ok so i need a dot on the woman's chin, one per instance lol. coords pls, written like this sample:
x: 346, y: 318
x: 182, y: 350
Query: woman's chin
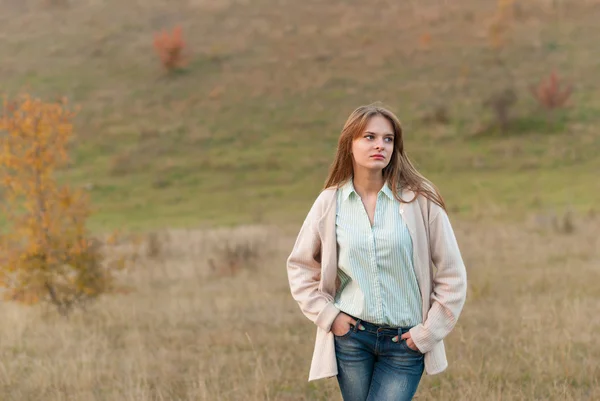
x: 374, y: 165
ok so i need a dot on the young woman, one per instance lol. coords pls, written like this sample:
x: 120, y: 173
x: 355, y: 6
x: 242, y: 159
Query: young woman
x: 376, y: 266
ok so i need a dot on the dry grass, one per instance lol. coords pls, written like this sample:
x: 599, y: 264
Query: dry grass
x: 528, y: 331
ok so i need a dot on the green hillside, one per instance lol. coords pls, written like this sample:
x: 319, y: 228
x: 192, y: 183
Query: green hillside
x: 246, y: 133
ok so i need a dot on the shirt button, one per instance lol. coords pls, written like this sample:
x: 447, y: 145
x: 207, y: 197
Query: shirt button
x: 401, y: 211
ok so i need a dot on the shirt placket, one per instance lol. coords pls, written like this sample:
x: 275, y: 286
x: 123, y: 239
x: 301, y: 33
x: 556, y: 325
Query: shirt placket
x: 376, y: 279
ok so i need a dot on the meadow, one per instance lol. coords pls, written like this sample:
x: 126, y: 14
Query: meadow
x: 216, y: 165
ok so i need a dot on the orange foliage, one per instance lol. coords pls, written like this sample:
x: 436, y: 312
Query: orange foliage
x: 169, y: 48
x: 47, y: 253
x: 551, y: 93
x: 425, y: 41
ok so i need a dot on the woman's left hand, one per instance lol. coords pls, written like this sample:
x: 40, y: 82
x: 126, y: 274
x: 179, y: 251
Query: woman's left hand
x: 409, y: 342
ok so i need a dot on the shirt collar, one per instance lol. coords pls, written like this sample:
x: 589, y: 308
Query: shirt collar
x: 387, y: 190
x: 348, y: 188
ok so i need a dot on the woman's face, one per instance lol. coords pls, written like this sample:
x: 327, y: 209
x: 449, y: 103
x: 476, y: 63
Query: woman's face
x: 373, y: 148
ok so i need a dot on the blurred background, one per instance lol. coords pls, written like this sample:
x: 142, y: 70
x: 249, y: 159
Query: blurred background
x: 204, y: 132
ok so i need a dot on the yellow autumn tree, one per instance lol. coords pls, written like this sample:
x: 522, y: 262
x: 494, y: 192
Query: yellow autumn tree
x: 46, y: 252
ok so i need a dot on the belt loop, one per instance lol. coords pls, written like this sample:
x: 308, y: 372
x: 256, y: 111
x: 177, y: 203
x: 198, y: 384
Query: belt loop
x: 399, y: 334
x: 357, y: 325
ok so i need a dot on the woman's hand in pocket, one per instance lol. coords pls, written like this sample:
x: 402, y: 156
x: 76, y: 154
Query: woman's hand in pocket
x: 342, y: 324
x: 409, y: 341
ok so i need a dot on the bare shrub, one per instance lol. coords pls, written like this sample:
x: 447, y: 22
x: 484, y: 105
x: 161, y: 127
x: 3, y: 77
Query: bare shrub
x: 500, y: 103
x: 121, y: 164
x: 566, y: 223
x: 154, y: 245
x: 233, y: 255
x: 230, y: 251
x: 438, y: 114
x: 562, y: 223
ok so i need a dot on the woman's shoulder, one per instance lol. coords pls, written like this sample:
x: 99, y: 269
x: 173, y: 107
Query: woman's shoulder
x: 326, y: 196
x: 427, y: 206
x: 323, y: 203
x: 329, y: 191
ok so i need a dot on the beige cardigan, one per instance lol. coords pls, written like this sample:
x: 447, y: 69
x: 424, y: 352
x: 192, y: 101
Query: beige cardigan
x: 440, y: 271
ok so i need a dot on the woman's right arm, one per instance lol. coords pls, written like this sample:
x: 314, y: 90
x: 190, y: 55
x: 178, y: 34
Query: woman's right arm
x: 304, y: 272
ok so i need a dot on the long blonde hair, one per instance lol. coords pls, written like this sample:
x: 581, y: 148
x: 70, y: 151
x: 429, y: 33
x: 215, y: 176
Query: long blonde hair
x: 399, y: 173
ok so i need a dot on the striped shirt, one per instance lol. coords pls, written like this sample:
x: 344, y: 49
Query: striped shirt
x: 375, y: 263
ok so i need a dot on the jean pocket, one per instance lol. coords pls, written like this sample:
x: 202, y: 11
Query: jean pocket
x: 404, y: 344
x: 350, y: 330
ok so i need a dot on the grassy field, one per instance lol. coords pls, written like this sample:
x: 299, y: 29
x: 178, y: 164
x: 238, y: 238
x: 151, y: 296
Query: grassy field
x: 229, y: 154
x: 528, y: 331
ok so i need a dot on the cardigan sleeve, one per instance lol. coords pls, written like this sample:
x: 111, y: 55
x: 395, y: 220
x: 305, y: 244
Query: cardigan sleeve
x: 449, y: 284
x: 304, y: 272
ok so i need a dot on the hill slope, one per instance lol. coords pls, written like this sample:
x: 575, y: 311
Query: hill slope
x: 247, y: 132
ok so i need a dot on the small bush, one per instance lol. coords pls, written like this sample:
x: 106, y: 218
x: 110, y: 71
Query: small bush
x: 170, y: 48
x: 437, y: 114
x: 500, y: 104
x: 561, y: 223
x: 233, y: 255
x: 425, y: 41
x: 154, y: 246
x: 551, y: 93
x: 565, y: 224
x: 121, y: 164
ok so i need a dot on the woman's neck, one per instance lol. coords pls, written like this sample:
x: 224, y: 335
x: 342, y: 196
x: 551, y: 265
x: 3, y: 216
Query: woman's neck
x: 367, y: 183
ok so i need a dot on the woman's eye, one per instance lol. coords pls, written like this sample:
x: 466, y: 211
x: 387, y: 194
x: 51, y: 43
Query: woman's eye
x: 389, y: 139
x: 369, y: 136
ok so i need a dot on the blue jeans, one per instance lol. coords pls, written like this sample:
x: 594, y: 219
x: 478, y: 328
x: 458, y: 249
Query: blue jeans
x: 373, y: 367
